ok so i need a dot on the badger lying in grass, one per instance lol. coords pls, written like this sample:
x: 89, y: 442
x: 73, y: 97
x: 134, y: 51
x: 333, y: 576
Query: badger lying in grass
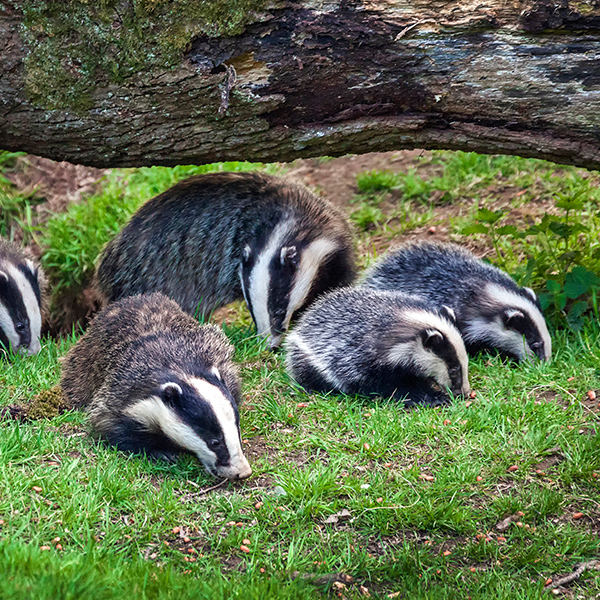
x: 153, y: 380
x: 22, y: 287
x: 492, y: 311
x: 215, y: 238
x: 361, y: 341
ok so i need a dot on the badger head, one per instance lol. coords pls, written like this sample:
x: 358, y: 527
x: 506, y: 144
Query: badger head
x: 20, y: 315
x: 199, y: 415
x: 281, y: 276
x: 431, y: 347
x: 509, y: 321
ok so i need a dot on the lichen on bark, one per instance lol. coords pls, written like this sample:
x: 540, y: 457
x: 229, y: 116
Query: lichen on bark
x: 75, y: 46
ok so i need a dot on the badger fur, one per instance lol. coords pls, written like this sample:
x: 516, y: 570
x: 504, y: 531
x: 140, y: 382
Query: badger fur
x: 153, y: 380
x: 219, y: 237
x: 361, y: 341
x: 22, y: 286
x: 492, y: 311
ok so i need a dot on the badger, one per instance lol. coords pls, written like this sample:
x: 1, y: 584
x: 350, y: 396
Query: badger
x: 369, y: 342
x: 492, y: 311
x: 22, y: 287
x: 153, y: 380
x: 215, y: 238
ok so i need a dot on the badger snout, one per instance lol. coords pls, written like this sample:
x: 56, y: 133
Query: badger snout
x: 240, y: 469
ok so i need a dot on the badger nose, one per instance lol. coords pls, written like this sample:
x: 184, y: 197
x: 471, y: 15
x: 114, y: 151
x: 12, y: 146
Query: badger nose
x: 245, y: 473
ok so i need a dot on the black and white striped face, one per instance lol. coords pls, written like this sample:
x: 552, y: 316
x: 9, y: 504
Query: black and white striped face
x: 433, y: 348
x: 279, y: 276
x: 20, y: 315
x: 510, y: 322
x: 200, y: 416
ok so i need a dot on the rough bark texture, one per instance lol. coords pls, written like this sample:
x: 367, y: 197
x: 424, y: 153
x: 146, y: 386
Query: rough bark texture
x: 322, y: 78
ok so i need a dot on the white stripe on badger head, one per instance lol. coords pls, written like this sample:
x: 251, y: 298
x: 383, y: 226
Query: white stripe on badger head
x: 31, y: 306
x: 430, y: 364
x: 156, y: 415
x: 223, y: 410
x: 260, y: 278
x: 310, y: 261
x: 509, y: 299
x: 315, y: 361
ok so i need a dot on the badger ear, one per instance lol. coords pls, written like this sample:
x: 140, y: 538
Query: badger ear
x: 289, y: 256
x: 171, y: 393
x: 246, y: 253
x: 216, y: 373
x: 31, y: 265
x: 449, y: 313
x: 432, y: 339
x: 513, y: 318
x: 531, y: 293
x: 3, y: 276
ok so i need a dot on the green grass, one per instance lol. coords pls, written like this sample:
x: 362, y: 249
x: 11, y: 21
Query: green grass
x: 114, y: 513
x: 359, y: 497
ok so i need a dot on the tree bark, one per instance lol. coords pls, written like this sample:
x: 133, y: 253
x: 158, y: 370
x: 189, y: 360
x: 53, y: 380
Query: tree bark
x: 314, y: 78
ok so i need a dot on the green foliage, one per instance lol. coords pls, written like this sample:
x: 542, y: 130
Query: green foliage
x: 352, y: 497
x: 15, y: 208
x: 71, y: 241
x: 563, y: 252
x: 367, y: 217
x: 377, y: 181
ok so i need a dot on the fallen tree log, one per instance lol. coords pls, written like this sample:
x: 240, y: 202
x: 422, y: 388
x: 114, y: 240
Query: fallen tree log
x: 129, y: 83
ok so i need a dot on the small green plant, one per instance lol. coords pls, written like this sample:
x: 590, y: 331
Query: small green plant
x: 367, y: 217
x: 563, y: 254
x: 377, y: 181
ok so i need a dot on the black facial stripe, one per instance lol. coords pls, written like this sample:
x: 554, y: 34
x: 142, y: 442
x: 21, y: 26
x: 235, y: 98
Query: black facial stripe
x: 245, y: 276
x: 33, y: 281
x: 10, y: 297
x: 199, y: 415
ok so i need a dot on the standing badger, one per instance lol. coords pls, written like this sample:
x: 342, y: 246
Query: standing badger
x: 153, y: 380
x: 360, y: 341
x: 215, y: 238
x: 492, y: 311
x: 22, y: 286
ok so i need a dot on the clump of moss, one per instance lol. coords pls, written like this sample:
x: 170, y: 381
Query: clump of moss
x: 47, y: 404
x: 77, y: 45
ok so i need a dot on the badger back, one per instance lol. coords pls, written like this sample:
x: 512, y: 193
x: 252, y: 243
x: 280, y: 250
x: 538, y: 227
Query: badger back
x: 217, y: 237
x: 365, y: 341
x: 492, y: 311
x: 22, y: 286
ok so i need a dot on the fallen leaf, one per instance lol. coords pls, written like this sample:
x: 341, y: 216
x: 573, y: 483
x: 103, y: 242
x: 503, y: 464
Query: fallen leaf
x: 512, y: 468
x: 446, y: 553
x: 578, y: 515
x: 37, y: 488
x: 244, y: 549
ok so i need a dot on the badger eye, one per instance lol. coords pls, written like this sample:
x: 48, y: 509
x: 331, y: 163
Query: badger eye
x: 214, y: 444
x: 20, y: 327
